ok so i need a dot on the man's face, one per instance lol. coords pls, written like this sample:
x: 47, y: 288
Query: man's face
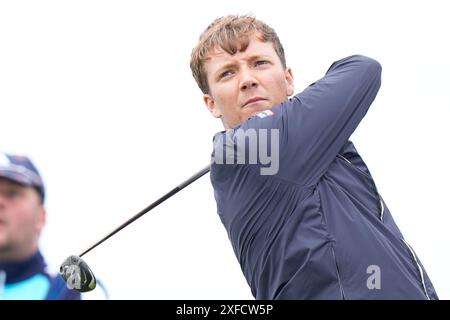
x: 246, y: 83
x: 22, y: 218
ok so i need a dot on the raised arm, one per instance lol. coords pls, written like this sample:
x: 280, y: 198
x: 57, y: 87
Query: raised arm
x: 315, y: 124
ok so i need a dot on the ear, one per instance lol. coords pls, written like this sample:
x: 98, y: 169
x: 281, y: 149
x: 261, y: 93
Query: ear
x: 211, y: 105
x: 289, y: 82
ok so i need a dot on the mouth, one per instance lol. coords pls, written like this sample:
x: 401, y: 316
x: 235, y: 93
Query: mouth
x: 253, y: 100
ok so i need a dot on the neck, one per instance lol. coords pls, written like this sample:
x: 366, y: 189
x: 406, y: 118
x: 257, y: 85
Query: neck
x: 11, y: 254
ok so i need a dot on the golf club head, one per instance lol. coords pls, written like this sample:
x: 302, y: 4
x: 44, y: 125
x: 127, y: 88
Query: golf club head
x: 77, y: 274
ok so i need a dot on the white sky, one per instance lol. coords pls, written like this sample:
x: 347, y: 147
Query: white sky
x: 100, y: 95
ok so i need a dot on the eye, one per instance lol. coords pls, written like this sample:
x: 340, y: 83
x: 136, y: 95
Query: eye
x: 225, y: 74
x: 261, y: 62
x: 13, y: 194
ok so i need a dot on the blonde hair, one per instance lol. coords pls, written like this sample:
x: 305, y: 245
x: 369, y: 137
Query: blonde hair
x: 231, y: 33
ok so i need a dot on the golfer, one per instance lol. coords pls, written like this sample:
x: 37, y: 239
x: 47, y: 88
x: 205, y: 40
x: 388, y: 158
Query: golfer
x: 301, y: 209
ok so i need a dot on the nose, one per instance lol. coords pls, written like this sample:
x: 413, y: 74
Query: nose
x: 248, y: 79
x: 2, y: 200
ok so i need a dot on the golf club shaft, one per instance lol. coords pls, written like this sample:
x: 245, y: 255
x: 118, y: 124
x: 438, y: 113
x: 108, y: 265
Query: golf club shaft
x: 150, y: 207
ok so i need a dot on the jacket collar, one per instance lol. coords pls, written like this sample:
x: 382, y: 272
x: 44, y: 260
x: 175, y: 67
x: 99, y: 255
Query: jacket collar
x: 18, y: 271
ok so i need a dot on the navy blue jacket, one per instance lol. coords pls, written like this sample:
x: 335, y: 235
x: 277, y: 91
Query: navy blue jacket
x: 317, y: 228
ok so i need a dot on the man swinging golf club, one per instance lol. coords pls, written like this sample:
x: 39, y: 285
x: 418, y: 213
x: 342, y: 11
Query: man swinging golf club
x: 317, y: 227
x: 313, y: 226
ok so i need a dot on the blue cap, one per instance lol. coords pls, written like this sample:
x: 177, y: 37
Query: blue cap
x: 21, y: 170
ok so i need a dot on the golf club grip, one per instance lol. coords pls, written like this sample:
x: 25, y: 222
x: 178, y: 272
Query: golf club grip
x: 150, y: 207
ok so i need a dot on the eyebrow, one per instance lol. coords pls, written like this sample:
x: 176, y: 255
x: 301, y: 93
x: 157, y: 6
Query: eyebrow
x: 233, y: 64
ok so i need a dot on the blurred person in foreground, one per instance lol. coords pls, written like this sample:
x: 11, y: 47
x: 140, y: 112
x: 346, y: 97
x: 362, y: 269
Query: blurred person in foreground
x: 23, y: 270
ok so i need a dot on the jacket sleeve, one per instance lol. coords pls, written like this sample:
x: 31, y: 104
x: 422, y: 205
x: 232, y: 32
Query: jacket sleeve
x: 315, y: 124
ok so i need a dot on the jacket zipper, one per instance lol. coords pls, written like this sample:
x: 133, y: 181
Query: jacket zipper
x: 338, y: 273
x: 422, y: 279
x: 381, y: 215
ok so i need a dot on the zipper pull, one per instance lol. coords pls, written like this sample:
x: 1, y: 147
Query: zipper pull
x: 382, y: 208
